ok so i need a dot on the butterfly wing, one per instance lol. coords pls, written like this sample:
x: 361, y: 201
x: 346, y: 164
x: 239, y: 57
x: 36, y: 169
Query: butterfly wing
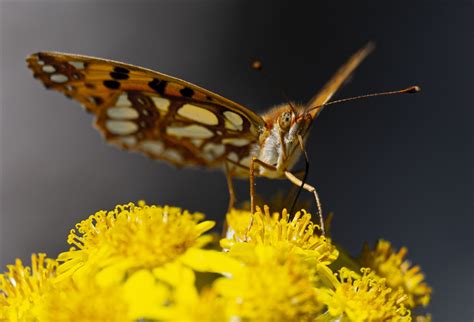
x: 145, y: 111
x: 338, y: 79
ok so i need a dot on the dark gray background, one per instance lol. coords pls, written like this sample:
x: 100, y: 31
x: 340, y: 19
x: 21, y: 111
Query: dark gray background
x: 398, y: 168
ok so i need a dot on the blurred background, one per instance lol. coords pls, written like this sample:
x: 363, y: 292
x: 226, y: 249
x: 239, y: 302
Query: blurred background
x: 395, y: 167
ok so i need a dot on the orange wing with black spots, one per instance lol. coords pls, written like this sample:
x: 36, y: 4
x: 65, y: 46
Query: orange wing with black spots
x: 338, y: 79
x: 158, y: 115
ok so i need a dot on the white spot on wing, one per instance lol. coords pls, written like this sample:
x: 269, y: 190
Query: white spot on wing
x: 121, y: 127
x: 48, y: 69
x: 197, y: 142
x: 161, y: 104
x: 91, y: 99
x: 123, y: 101
x: 152, y: 146
x: 122, y: 113
x: 233, y: 157
x: 173, y: 155
x: 198, y: 114
x: 191, y: 131
x: 77, y: 64
x: 59, y: 78
x: 208, y: 156
x: 128, y: 140
x: 215, y: 149
x: 40, y: 62
x: 233, y: 121
x: 236, y: 141
x: 246, y: 161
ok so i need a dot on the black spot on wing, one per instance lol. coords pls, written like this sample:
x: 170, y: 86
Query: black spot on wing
x: 158, y: 85
x: 116, y: 75
x: 121, y: 70
x: 187, y: 92
x: 97, y: 100
x: 112, y: 84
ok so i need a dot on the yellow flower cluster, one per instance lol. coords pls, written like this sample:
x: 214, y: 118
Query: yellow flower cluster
x: 111, y: 244
x: 22, y: 288
x: 296, y: 235
x: 141, y: 262
x: 391, y: 265
x: 362, y: 298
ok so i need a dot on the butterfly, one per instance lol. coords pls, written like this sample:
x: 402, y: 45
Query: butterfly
x: 169, y: 119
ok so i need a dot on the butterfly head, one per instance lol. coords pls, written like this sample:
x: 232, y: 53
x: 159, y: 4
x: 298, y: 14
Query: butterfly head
x: 285, y: 123
x: 292, y: 123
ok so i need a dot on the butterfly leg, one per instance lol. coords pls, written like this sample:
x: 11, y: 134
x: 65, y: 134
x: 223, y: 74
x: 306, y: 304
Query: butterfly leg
x: 293, y: 179
x: 255, y: 161
x: 230, y: 186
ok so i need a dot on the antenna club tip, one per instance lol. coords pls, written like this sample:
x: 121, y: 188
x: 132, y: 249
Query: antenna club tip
x: 413, y: 89
x: 257, y: 65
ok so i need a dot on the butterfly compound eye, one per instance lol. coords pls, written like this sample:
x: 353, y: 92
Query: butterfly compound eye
x: 285, y: 120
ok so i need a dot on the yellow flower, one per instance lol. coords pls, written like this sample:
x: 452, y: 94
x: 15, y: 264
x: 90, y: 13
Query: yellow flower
x: 72, y: 301
x: 272, y: 288
x: 130, y: 238
x: 166, y: 293
x: 22, y: 288
x: 361, y: 298
x: 185, y: 302
x: 146, y: 295
x: 385, y: 262
x: 150, y: 263
x: 297, y: 235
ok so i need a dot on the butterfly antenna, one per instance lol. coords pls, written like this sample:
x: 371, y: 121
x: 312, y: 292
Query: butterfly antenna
x: 409, y: 90
x: 258, y: 66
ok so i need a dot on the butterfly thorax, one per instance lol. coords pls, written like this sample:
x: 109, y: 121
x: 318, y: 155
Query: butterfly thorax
x: 278, y: 144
